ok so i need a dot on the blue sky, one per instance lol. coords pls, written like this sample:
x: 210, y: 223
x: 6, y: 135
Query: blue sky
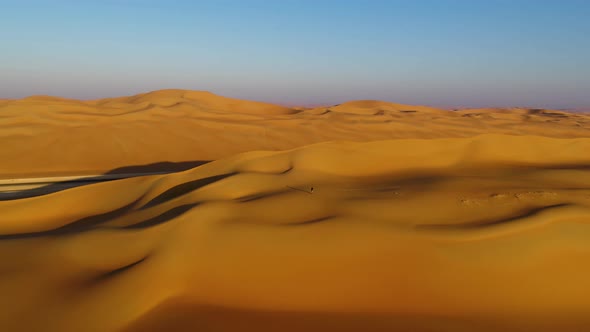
x: 443, y: 53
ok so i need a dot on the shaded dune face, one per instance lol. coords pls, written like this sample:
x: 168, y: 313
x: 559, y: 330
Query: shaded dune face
x: 41, y: 135
x: 487, y: 233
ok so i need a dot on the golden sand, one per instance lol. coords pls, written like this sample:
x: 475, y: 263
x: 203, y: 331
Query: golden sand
x: 48, y: 135
x: 430, y: 220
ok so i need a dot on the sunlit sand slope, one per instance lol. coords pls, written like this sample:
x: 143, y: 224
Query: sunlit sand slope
x: 41, y: 136
x: 467, y: 234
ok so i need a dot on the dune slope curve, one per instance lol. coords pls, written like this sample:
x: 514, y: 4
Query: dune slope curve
x: 462, y: 234
x: 43, y: 136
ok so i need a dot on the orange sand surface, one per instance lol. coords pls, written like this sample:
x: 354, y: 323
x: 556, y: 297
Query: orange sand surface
x: 43, y: 135
x: 431, y: 220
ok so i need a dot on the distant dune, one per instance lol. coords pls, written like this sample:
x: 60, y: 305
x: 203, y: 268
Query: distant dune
x: 43, y: 135
x: 578, y: 109
x: 365, y: 216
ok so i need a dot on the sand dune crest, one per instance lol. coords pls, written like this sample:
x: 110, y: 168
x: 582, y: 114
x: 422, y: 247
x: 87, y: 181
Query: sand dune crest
x: 246, y: 235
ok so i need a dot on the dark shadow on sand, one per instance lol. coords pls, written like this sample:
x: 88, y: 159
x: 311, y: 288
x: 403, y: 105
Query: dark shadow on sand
x: 93, y: 222
x: 183, y: 316
x: 136, y: 170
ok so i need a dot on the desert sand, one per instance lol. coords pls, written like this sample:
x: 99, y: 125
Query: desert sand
x: 43, y: 135
x: 363, y: 216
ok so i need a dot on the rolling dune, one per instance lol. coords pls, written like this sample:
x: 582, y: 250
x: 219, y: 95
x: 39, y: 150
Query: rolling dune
x: 364, y: 216
x: 462, y: 234
x: 43, y: 135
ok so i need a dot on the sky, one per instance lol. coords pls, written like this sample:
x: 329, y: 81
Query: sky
x: 464, y: 53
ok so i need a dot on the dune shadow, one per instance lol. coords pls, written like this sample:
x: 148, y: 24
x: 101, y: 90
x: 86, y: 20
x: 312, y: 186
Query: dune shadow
x: 182, y: 315
x: 164, y: 167
x: 112, y: 175
x: 79, y: 225
x: 517, y: 217
x: 118, y: 271
x: 164, y: 217
x: 184, y: 188
x: 97, y: 221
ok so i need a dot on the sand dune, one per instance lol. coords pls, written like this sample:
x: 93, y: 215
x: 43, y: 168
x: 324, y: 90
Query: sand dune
x: 463, y: 234
x: 42, y: 135
x: 409, y: 219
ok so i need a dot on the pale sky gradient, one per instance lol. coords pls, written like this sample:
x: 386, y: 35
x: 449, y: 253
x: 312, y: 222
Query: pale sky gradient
x: 444, y: 53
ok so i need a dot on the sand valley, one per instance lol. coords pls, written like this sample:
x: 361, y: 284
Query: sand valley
x: 362, y: 216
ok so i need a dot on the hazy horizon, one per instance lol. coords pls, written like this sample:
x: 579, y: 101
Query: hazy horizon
x: 453, y: 53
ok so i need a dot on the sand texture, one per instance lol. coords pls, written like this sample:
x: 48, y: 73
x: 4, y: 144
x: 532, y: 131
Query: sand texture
x: 475, y: 220
x: 48, y: 135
